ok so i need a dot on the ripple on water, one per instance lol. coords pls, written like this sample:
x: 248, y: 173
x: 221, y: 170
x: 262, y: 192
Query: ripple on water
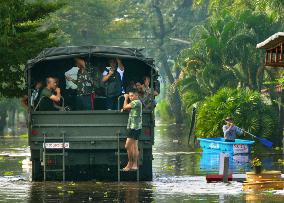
x: 195, y: 185
x: 14, y: 189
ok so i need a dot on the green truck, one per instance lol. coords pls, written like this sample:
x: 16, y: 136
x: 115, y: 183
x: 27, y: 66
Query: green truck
x: 86, y: 145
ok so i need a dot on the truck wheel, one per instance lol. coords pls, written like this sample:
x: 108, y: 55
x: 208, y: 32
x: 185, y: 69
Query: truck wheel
x: 146, y: 170
x: 37, y: 174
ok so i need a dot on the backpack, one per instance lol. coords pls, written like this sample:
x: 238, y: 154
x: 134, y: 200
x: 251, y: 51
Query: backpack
x: 114, y: 85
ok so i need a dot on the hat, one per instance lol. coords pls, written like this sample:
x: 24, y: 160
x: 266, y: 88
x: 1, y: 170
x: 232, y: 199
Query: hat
x: 229, y: 119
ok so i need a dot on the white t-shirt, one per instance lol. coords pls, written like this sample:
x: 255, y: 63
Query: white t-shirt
x: 72, y: 73
x: 121, y: 72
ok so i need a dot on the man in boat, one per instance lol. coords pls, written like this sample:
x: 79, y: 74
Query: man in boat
x: 230, y: 130
x: 134, y: 127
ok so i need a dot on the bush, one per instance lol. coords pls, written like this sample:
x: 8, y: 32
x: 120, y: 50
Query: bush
x: 163, y: 111
x: 245, y: 106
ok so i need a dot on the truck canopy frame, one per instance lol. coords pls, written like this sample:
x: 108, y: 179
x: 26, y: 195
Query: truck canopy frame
x: 56, y: 61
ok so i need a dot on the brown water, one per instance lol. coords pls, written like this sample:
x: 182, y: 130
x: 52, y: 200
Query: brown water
x: 178, y: 177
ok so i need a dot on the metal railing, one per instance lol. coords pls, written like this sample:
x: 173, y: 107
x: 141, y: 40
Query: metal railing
x: 118, y: 102
x: 62, y: 108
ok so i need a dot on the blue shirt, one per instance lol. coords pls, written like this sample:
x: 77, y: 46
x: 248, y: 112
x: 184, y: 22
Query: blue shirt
x: 231, y: 133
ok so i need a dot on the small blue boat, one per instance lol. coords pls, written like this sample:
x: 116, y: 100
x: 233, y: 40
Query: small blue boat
x: 219, y: 145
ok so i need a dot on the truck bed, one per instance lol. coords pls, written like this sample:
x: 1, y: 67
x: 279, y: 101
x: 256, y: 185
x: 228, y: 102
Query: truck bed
x: 92, y: 139
x: 85, y: 129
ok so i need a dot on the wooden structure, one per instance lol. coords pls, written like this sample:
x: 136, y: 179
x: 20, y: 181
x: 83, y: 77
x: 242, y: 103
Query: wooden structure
x: 264, y: 181
x: 274, y: 48
x: 274, y: 57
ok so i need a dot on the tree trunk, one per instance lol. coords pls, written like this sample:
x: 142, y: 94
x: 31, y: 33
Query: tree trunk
x: 3, y: 115
x: 13, y: 126
x: 17, y: 121
x: 260, y: 75
x: 161, y: 34
x: 175, y: 99
x: 281, y: 118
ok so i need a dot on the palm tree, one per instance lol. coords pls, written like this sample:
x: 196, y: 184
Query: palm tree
x: 224, y: 53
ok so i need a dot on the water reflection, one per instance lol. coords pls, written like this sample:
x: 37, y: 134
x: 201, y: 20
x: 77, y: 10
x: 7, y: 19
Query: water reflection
x: 91, y: 192
x: 238, y: 163
x: 178, y: 169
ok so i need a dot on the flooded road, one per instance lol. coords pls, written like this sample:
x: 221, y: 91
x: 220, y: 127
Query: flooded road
x: 179, y: 176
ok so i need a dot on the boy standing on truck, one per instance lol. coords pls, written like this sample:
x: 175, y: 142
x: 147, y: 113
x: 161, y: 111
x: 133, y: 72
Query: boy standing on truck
x: 134, y: 127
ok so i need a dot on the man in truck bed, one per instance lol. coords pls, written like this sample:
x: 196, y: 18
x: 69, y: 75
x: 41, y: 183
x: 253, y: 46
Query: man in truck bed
x: 50, y: 95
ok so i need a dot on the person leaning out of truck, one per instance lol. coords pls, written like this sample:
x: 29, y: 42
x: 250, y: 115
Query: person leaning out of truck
x: 36, y: 94
x: 85, y: 85
x: 230, y: 130
x: 149, y: 95
x: 50, y: 95
x: 146, y: 83
x: 113, y: 79
x: 146, y: 99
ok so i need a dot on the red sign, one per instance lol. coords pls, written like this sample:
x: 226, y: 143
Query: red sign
x: 240, y: 148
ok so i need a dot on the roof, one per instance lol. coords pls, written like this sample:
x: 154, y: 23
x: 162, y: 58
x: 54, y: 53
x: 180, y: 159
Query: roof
x: 272, y: 41
x: 73, y: 51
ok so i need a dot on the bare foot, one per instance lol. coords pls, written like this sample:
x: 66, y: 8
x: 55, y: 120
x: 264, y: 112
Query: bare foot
x: 134, y: 168
x: 126, y: 169
x: 128, y: 165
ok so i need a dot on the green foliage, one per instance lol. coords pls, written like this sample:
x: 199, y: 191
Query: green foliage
x: 90, y: 22
x: 245, y: 106
x: 23, y: 136
x: 9, y: 105
x: 273, y: 8
x: 163, y: 111
x: 23, y: 35
x: 278, y: 81
x: 223, y: 53
x: 256, y: 162
x: 162, y: 27
x: 8, y: 173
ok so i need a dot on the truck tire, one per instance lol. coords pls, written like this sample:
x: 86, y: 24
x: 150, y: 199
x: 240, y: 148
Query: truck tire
x: 37, y: 173
x: 146, y: 170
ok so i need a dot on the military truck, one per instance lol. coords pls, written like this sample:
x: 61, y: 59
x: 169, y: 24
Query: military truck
x: 86, y: 145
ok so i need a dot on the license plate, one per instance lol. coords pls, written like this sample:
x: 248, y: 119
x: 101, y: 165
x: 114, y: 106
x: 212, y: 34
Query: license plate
x: 56, y: 145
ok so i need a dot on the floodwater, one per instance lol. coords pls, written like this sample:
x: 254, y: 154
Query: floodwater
x: 179, y: 176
